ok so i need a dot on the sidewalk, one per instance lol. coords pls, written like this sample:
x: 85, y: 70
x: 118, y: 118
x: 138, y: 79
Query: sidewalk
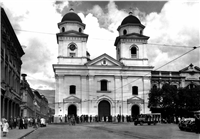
x: 18, y: 133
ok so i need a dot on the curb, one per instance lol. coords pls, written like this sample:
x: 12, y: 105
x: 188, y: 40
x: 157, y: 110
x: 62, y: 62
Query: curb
x: 26, y: 134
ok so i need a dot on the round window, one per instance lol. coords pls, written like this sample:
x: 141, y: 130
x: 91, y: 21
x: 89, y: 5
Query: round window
x: 72, y: 47
x: 124, y: 32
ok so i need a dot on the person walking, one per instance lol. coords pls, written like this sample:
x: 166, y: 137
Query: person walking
x: 5, y: 127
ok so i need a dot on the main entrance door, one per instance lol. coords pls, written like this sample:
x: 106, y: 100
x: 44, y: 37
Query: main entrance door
x: 72, y: 110
x: 135, y: 111
x: 104, y: 108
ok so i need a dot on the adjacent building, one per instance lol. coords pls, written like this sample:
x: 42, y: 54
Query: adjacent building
x: 27, y: 105
x: 104, y: 85
x: 11, y: 53
x: 187, y: 77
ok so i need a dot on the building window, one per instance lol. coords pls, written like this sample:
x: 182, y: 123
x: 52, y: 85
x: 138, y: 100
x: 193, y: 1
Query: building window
x: 104, y: 86
x: 134, y: 52
x: 134, y: 90
x: 63, y: 29
x: 72, y: 89
x: 191, y: 86
x: 141, y: 32
x: 154, y: 86
x: 80, y: 30
x: 72, y: 54
x: 124, y: 31
x: 72, y: 50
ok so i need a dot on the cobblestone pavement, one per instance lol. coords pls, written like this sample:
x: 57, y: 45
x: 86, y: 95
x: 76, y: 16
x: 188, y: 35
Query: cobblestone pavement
x: 18, y: 133
x: 112, y: 131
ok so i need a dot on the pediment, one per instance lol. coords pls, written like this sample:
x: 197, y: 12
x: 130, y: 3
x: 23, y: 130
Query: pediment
x: 104, y: 60
x: 191, y: 68
x: 135, y: 99
x: 72, y: 99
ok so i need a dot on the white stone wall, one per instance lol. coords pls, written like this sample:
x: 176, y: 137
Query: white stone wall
x: 71, y: 26
x: 130, y: 29
x: 88, y: 87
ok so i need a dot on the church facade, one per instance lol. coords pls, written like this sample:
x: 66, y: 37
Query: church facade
x: 104, y: 85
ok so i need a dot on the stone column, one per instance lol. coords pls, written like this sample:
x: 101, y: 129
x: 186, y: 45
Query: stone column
x: 84, y: 92
x: 124, y: 92
x: 90, y: 92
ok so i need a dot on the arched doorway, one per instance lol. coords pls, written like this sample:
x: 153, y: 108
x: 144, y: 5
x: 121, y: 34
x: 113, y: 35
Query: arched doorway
x: 104, y: 108
x: 72, y: 110
x: 135, y: 111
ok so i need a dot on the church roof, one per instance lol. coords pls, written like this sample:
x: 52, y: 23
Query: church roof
x: 131, y: 36
x: 131, y: 19
x: 190, y: 68
x: 99, y: 59
x: 72, y: 33
x: 71, y: 16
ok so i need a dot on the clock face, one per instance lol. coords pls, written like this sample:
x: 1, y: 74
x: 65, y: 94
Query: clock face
x: 72, y: 47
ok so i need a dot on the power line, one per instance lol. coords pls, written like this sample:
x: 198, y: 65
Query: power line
x: 170, y: 45
x: 158, y: 44
x: 145, y: 74
x: 118, y: 98
x: 85, y: 91
x: 177, y: 58
x: 160, y: 66
x: 35, y: 32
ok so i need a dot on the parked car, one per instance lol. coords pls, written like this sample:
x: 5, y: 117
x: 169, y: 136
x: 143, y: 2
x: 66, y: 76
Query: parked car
x: 187, y: 124
x: 149, y: 119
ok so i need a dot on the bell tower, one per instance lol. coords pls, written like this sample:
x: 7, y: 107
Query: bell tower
x: 131, y: 43
x: 71, y: 40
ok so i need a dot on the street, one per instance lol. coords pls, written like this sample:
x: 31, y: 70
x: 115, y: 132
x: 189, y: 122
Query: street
x: 112, y: 131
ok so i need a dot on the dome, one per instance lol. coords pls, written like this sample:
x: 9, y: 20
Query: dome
x: 130, y: 19
x: 71, y: 16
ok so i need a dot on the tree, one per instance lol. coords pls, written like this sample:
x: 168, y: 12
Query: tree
x: 155, y: 98
x: 175, y: 101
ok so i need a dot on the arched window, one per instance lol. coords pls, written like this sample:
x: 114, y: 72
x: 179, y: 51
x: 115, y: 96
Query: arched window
x: 134, y: 90
x: 141, y: 32
x: 154, y: 86
x: 80, y: 30
x: 63, y: 29
x: 191, y: 86
x: 104, y: 85
x: 72, y: 89
x: 134, y: 52
x: 124, y: 31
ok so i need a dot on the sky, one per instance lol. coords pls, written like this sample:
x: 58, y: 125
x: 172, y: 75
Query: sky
x: 173, y: 28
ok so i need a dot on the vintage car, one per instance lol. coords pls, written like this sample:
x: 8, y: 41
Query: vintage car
x: 149, y: 119
x: 187, y: 124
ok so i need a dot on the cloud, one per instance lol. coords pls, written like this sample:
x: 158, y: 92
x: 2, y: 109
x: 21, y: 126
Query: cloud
x: 40, y: 48
x: 176, y: 24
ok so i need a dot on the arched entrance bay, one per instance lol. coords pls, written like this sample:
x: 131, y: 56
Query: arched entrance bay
x: 104, y: 108
x: 135, y: 111
x: 72, y: 110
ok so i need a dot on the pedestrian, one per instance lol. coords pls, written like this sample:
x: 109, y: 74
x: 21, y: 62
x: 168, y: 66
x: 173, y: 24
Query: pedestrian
x: 5, y: 126
x: 11, y: 123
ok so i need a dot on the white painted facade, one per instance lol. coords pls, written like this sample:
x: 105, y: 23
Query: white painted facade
x: 90, y: 76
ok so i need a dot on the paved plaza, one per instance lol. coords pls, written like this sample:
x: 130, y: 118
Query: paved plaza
x: 111, y: 131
